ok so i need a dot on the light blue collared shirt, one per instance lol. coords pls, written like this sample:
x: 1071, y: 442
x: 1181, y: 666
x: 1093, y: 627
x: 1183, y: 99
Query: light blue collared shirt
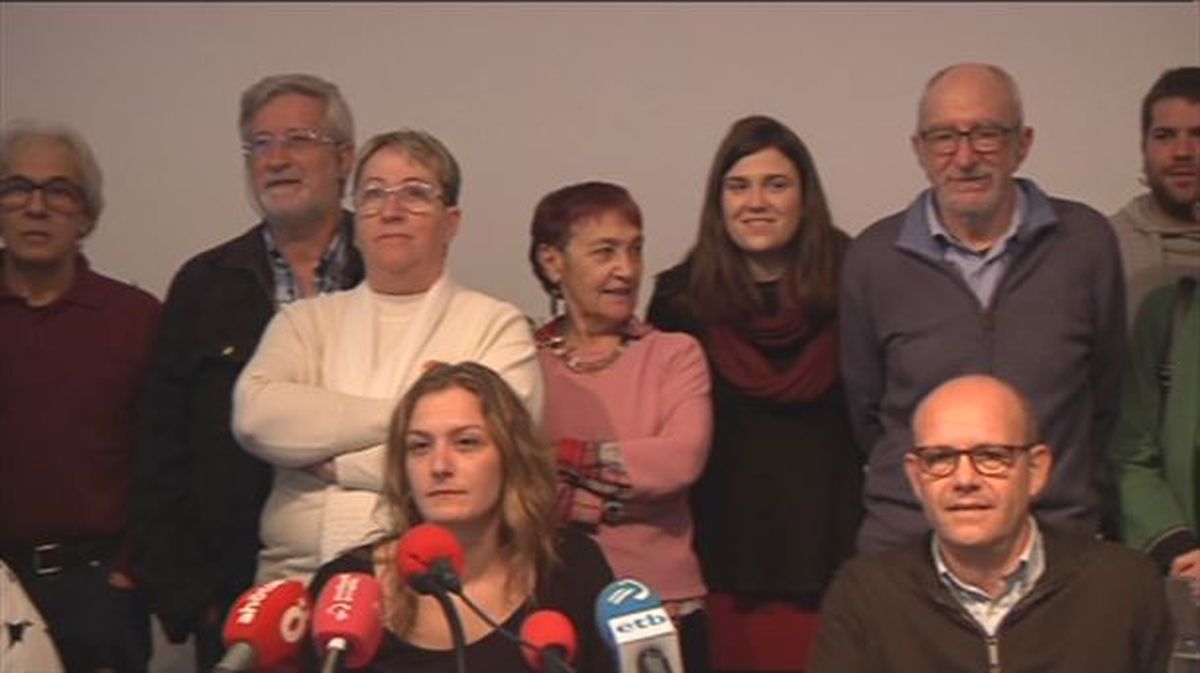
x: 985, y: 610
x: 982, y: 271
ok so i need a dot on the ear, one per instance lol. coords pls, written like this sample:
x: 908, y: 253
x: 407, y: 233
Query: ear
x: 345, y: 160
x: 452, y: 223
x: 915, y: 142
x: 1024, y: 142
x: 1041, y: 460
x: 913, y: 472
x: 550, y: 259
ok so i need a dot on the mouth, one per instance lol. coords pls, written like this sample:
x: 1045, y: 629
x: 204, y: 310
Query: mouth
x: 970, y: 183
x: 35, y: 236
x: 444, y: 493
x: 284, y: 183
x: 968, y: 507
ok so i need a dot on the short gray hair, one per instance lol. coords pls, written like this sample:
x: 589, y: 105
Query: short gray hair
x: 422, y: 148
x: 339, y: 123
x: 23, y: 131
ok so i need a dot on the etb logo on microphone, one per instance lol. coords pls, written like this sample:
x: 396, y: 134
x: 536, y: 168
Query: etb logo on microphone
x: 640, y: 625
x: 627, y: 591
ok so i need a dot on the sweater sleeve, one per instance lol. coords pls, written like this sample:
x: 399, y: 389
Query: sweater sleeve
x: 1110, y: 338
x: 283, y: 415
x: 1150, y: 513
x: 861, y: 358
x: 506, y: 346
x: 670, y: 461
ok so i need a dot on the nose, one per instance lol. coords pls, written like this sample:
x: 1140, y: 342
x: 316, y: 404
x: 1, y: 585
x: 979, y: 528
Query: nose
x: 756, y: 197
x: 392, y: 208
x: 276, y: 155
x: 629, y: 265
x: 964, y: 155
x: 36, y: 204
x: 965, y: 476
x: 441, y: 461
x: 1187, y: 146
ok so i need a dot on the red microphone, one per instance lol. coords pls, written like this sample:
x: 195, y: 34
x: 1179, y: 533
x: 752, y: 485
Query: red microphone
x: 430, y: 559
x: 265, y: 626
x: 348, y: 621
x: 549, y: 641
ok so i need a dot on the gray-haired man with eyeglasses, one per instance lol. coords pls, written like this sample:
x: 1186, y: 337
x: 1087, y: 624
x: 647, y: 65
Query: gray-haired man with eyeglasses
x: 992, y: 588
x: 73, y: 355
x: 201, y: 494
x: 982, y: 272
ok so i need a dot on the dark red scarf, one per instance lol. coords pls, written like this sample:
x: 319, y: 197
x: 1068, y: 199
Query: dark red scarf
x: 736, y: 351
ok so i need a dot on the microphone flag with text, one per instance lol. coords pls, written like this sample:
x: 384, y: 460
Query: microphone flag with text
x: 632, y: 621
x: 265, y: 626
x: 348, y: 621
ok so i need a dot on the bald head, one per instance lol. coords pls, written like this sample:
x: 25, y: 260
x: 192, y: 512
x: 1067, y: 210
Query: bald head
x: 974, y: 80
x: 979, y: 404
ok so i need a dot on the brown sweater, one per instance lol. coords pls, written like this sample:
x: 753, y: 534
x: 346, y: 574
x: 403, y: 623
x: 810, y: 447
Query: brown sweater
x: 1098, y: 608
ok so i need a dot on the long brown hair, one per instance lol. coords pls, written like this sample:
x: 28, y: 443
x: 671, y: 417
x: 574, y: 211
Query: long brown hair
x: 528, y: 520
x: 719, y: 286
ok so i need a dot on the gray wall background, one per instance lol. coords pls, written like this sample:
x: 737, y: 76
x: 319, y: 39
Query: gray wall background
x: 531, y: 97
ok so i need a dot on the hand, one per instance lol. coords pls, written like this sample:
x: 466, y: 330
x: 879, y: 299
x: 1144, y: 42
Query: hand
x: 324, y: 470
x: 1186, y: 566
x: 574, y: 455
x: 120, y: 580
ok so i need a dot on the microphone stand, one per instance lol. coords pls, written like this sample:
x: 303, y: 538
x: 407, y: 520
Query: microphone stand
x: 429, y: 584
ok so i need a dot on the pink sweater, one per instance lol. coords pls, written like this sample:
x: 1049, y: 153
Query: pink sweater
x: 654, y: 402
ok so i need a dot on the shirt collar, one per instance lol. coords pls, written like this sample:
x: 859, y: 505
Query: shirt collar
x: 83, y: 290
x: 1030, y: 565
x: 940, y: 233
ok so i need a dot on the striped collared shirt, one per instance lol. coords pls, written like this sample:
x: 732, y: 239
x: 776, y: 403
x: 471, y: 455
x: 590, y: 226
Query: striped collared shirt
x: 989, y: 612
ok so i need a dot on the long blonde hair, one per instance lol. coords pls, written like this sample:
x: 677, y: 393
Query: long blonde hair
x: 528, y: 519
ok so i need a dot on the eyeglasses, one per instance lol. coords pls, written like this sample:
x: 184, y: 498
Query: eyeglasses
x: 983, y: 139
x: 992, y: 460
x: 415, y: 196
x: 295, y: 141
x: 59, y: 194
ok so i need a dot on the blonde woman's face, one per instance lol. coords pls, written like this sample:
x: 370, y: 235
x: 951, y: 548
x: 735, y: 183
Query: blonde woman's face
x: 453, y: 465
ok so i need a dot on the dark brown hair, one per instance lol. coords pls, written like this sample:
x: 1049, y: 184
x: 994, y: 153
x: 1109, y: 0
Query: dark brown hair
x: 720, y: 287
x: 1176, y: 83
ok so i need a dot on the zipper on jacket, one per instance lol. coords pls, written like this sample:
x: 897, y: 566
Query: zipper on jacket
x: 993, y: 654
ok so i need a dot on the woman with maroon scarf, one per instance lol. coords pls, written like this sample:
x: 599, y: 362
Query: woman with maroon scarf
x: 778, y: 504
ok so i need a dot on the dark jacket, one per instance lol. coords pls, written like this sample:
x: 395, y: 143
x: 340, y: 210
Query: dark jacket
x: 1097, y: 608
x: 200, y: 494
x: 1055, y: 329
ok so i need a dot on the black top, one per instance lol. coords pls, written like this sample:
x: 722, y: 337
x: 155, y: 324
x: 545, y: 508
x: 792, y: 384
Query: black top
x: 570, y: 589
x: 777, y: 506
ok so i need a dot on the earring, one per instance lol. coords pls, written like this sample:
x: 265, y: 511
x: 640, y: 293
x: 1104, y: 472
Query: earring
x: 556, y: 302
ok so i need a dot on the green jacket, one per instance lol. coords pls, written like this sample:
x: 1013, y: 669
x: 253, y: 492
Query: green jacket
x: 1156, y: 466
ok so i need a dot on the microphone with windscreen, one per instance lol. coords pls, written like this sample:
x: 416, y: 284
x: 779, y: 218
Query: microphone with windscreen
x: 348, y: 621
x: 265, y: 626
x: 430, y: 559
x: 548, y: 641
x: 633, y: 622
